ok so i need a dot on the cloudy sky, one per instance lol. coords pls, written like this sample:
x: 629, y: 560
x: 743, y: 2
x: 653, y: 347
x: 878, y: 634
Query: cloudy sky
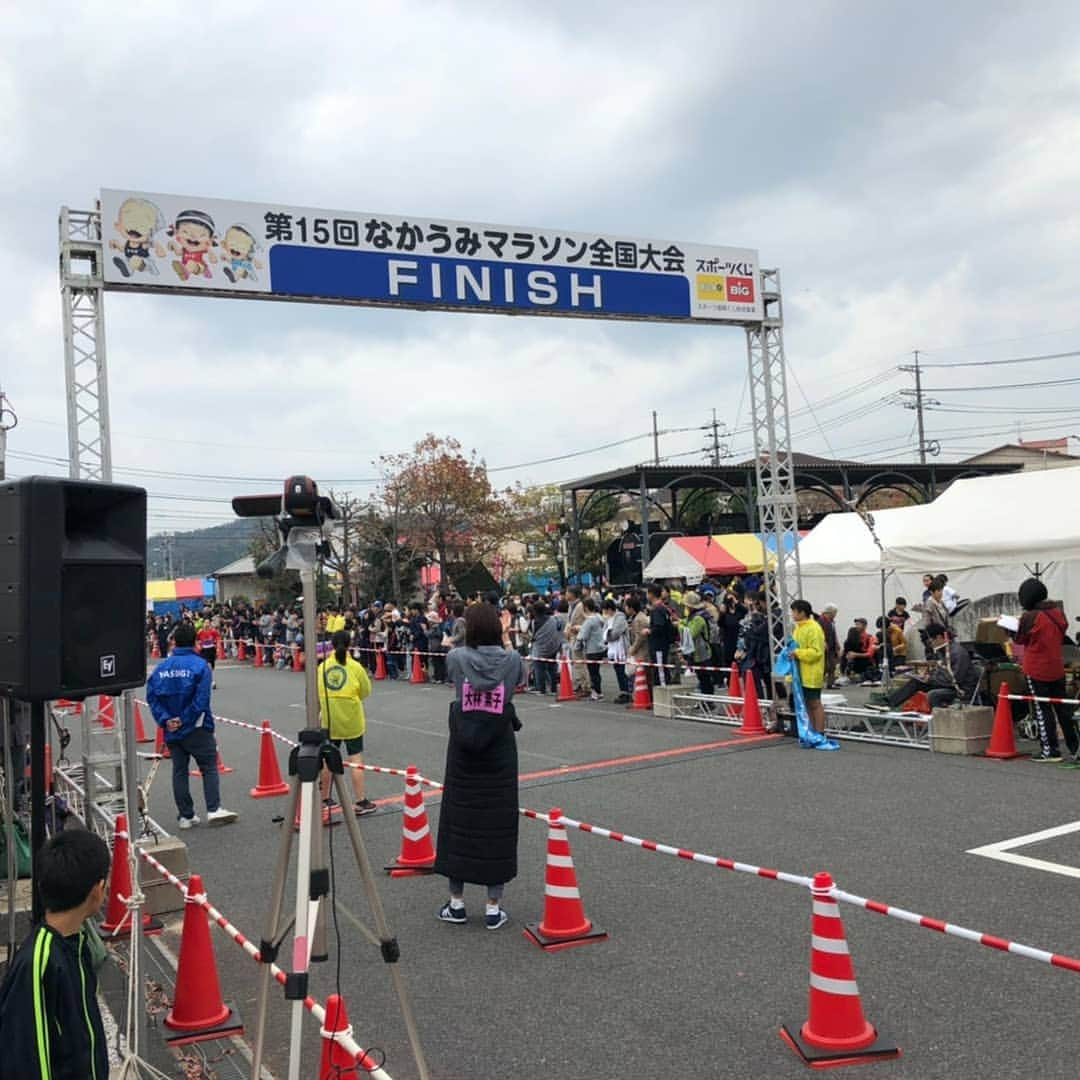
x: 912, y: 169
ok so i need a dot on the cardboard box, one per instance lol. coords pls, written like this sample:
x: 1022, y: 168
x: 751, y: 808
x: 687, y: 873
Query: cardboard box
x: 162, y: 896
x: 961, y: 730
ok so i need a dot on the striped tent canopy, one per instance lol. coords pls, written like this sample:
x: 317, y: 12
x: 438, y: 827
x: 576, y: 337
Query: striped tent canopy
x: 179, y: 589
x: 698, y: 557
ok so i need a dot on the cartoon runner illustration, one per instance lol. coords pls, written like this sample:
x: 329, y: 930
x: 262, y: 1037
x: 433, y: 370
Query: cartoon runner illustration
x: 137, y: 221
x: 193, y: 238
x: 239, y: 246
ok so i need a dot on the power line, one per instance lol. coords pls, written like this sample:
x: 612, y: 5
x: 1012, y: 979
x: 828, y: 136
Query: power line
x: 1003, y: 386
x: 997, y: 363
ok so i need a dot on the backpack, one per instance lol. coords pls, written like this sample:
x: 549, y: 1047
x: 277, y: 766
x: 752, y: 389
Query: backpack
x: 686, y: 641
x: 714, y: 633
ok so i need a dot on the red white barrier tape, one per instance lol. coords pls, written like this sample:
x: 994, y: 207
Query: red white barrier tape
x: 342, y: 1038
x: 991, y: 942
x: 1044, y: 700
x: 676, y: 852
x: 280, y: 649
x: 988, y: 940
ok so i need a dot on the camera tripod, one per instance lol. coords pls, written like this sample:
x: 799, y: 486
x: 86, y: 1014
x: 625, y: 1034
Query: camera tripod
x: 304, y: 546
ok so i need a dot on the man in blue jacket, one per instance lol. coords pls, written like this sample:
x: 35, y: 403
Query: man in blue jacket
x: 179, y: 696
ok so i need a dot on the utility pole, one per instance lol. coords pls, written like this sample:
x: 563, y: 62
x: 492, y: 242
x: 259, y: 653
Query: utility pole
x: 917, y: 404
x: 655, y: 440
x: 716, y: 450
x: 8, y: 420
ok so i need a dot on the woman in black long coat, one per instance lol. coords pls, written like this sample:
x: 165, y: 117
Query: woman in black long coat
x: 478, y: 816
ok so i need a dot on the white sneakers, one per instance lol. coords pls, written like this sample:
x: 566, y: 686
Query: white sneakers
x: 220, y: 816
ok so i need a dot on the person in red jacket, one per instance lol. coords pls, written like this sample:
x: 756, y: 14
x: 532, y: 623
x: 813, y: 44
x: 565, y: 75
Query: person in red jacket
x: 207, y: 644
x: 1042, y: 633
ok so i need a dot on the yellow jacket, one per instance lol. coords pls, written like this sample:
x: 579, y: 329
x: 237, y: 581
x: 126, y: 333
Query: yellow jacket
x: 810, y: 639
x: 341, y: 688
x: 334, y: 623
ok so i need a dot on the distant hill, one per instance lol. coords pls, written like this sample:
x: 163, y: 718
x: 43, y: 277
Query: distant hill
x: 199, y: 552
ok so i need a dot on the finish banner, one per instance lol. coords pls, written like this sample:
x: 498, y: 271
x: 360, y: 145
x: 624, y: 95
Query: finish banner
x: 180, y: 243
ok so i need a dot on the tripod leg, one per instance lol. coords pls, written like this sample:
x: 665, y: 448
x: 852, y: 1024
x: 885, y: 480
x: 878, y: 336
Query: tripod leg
x: 310, y: 820
x: 273, y: 920
x: 389, y: 944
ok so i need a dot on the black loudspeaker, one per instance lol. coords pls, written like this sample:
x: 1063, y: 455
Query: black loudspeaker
x: 72, y: 588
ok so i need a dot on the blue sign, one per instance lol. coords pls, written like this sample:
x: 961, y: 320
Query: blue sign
x: 154, y: 242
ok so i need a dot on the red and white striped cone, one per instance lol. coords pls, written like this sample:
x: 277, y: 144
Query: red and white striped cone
x: 417, y: 851
x: 418, y: 673
x: 140, y: 728
x: 751, y: 714
x: 270, y: 782
x: 257, y: 649
x: 198, y: 1011
x: 642, y: 698
x: 241, y: 650
x: 566, y: 684
x: 106, y: 715
x: 1002, y: 742
x: 735, y: 690
x: 564, y: 924
x: 336, y: 1062
x: 117, y: 914
x: 836, y: 1033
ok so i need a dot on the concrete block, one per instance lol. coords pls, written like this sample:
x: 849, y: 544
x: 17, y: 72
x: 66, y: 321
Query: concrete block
x: 661, y: 700
x: 964, y: 729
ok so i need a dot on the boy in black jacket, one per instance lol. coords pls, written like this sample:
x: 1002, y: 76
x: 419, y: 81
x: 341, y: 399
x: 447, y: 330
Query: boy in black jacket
x: 50, y: 1024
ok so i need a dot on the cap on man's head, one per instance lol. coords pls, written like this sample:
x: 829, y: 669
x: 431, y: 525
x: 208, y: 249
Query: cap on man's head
x: 858, y: 621
x: 829, y: 609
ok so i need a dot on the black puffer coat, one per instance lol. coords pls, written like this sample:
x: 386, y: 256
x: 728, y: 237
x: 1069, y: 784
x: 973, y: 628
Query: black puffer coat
x: 478, y: 817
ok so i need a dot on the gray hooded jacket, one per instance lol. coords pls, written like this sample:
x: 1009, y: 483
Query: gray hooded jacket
x: 484, y: 669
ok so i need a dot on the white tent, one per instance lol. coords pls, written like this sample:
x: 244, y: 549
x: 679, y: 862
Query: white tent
x: 987, y: 533
x: 1021, y: 518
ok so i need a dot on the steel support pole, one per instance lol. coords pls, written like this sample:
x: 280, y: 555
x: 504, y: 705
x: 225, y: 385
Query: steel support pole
x: 777, y: 507
x: 85, y: 374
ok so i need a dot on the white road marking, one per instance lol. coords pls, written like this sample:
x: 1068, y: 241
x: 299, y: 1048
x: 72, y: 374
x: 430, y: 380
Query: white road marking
x: 1003, y: 851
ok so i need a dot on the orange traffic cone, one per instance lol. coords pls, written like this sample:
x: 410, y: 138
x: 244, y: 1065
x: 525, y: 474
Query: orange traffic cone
x: 566, y: 684
x: 735, y: 690
x: 380, y: 664
x: 257, y: 650
x: 106, y: 716
x: 751, y: 722
x: 642, y: 698
x: 336, y: 1062
x: 837, y: 1032
x: 161, y: 747
x: 155, y: 649
x: 298, y: 658
x: 222, y: 768
x: 198, y: 1013
x: 418, y: 673
x: 564, y: 924
x: 417, y: 852
x: 140, y: 729
x: 117, y: 915
x: 270, y: 782
x: 241, y: 649
x: 1002, y: 742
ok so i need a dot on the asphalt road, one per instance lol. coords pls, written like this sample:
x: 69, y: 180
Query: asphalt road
x: 702, y: 965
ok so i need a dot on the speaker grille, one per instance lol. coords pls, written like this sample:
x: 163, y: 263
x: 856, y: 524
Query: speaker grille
x: 101, y: 622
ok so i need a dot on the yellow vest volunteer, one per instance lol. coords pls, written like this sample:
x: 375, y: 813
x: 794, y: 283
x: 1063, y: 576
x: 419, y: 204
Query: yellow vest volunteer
x: 335, y: 623
x: 341, y: 689
x: 810, y: 639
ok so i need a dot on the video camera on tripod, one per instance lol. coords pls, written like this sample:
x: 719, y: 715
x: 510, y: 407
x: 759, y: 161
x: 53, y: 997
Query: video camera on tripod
x: 300, y: 513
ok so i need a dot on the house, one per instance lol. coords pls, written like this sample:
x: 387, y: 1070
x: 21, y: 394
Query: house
x: 1036, y: 454
x: 238, y: 579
